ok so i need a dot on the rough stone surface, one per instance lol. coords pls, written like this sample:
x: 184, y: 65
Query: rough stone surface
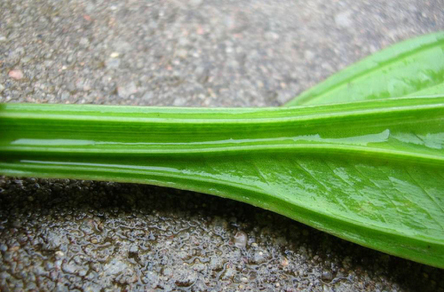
x: 58, y: 235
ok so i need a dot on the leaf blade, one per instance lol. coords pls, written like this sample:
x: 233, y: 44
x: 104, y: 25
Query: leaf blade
x: 331, y: 167
x: 404, y: 69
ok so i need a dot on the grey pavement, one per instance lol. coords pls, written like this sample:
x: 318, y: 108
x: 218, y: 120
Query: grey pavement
x: 58, y: 235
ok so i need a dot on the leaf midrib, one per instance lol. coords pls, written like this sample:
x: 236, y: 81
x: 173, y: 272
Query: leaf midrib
x: 325, y: 149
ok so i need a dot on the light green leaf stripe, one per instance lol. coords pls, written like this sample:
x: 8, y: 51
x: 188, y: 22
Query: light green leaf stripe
x: 370, y: 172
x: 411, y: 68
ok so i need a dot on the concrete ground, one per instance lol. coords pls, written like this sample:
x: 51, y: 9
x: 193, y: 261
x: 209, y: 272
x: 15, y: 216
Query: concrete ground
x: 58, y: 235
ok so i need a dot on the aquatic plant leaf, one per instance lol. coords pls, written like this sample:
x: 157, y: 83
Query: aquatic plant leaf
x: 412, y: 68
x: 370, y: 172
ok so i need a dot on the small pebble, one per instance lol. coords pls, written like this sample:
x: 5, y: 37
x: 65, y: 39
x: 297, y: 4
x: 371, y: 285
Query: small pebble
x: 16, y: 74
x: 181, y: 53
x: 65, y: 95
x: 127, y: 89
x: 84, y: 42
x: 68, y: 268
x: 3, y: 247
x: 284, y: 262
x: 16, y: 224
x: 59, y: 254
x: 343, y: 19
x: 71, y: 59
x: 112, y: 63
x: 240, y: 239
x: 147, y: 96
x: 327, y: 276
x: 195, y: 2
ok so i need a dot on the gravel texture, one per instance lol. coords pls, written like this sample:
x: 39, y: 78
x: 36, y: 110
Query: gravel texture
x: 58, y: 235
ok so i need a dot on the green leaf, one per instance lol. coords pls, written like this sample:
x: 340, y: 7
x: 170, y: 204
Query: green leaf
x: 370, y: 172
x: 411, y: 68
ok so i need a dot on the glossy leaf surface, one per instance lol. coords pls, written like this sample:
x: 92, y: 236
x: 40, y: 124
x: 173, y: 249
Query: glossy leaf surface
x: 370, y: 172
x: 412, y: 68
